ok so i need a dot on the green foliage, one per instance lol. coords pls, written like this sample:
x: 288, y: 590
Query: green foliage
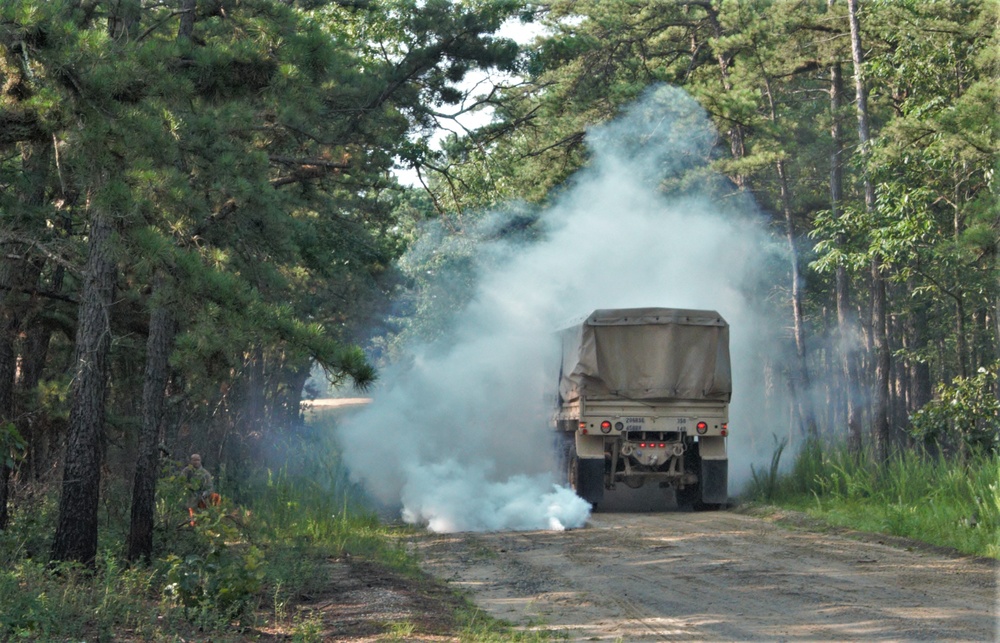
x: 12, y: 445
x: 64, y: 601
x: 965, y: 417
x: 248, y: 166
x: 928, y: 498
x: 222, y: 568
x: 31, y: 605
x: 223, y: 582
x: 479, y: 627
x: 764, y: 484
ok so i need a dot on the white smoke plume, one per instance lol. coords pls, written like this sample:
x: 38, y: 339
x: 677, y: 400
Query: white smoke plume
x: 459, y: 437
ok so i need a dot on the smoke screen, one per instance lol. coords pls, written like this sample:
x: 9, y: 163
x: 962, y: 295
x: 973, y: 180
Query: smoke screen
x: 458, y: 437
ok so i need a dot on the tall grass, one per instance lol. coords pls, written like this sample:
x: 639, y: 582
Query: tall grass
x: 947, y: 502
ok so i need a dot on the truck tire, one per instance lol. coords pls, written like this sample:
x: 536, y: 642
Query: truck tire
x: 714, y: 479
x: 586, y: 477
x: 690, y: 496
x: 709, y: 493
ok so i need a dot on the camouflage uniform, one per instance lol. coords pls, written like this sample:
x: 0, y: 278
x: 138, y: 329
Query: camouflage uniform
x: 199, y: 482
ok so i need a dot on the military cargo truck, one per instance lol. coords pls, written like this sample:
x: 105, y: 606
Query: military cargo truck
x: 644, y: 399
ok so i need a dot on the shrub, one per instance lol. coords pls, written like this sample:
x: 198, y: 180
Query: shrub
x: 214, y: 569
x: 965, y: 416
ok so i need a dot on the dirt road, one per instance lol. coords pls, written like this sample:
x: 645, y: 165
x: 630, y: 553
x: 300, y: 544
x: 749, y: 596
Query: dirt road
x: 717, y: 576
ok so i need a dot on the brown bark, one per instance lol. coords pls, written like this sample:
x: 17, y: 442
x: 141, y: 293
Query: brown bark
x: 996, y: 337
x: 11, y: 275
x: 880, y: 338
x: 919, y: 392
x: 18, y: 276
x: 4, y: 496
x: 800, y: 385
x: 736, y: 144
x: 76, y: 528
x: 33, y: 357
x: 253, y: 390
x: 288, y: 401
x: 802, y: 380
x: 34, y: 353
x: 186, y: 27
x: 123, y: 19
x: 899, y: 384
x: 846, y: 318
x: 158, y: 348
x: 960, y: 340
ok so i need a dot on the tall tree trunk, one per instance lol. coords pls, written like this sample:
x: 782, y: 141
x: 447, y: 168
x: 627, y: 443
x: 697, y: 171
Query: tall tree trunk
x: 880, y: 336
x: 996, y: 337
x: 186, y: 27
x: 123, y: 19
x: 736, y: 137
x: 963, y: 350
x: 20, y: 275
x: 800, y: 385
x: 846, y: 319
x: 899, y: 385
x: 4, y: 496
x: 254, y: 406
x: 287, y: 412
x: 803, y: 404
x: 17, y: 277
x: 920, y: 373
x: 34, y: 354
x: 7, y: 362
x: 11, y: 314
x: 76, y: 528
x: 158, y: 347
x: 880, y: 333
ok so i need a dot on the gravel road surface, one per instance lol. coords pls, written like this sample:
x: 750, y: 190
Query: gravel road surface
x: 717, y: 576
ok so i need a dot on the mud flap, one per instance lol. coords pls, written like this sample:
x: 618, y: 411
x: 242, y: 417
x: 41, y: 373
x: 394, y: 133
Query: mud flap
x: 590, y: 479
x: 715, y: 481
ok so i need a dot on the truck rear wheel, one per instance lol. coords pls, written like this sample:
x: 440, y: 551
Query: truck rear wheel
x: 705, y: 494
x: 714, y: 479
x: 586, y: 476
x: 689, y: 496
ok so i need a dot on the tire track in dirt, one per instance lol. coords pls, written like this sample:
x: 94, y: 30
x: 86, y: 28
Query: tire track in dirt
x: 716, y: 576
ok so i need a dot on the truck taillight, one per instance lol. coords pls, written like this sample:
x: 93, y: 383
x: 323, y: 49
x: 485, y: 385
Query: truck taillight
x: 702, y: 427
x: 583, y: 425
x: 605, y: 427
x: 725, y: 429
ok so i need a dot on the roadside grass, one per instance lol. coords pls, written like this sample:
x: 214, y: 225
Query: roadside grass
x: 240, y: 571
x: 475, y: 626
x: 952, y: 503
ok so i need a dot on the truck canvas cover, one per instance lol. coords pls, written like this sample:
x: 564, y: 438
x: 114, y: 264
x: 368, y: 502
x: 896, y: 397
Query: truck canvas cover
x: 649, y: 354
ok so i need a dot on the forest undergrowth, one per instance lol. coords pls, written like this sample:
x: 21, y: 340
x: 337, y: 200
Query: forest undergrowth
x: 951, y: 502
x: 238, y: 571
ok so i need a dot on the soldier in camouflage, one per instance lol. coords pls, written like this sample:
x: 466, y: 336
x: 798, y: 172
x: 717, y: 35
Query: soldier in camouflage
x: 199, y: 483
